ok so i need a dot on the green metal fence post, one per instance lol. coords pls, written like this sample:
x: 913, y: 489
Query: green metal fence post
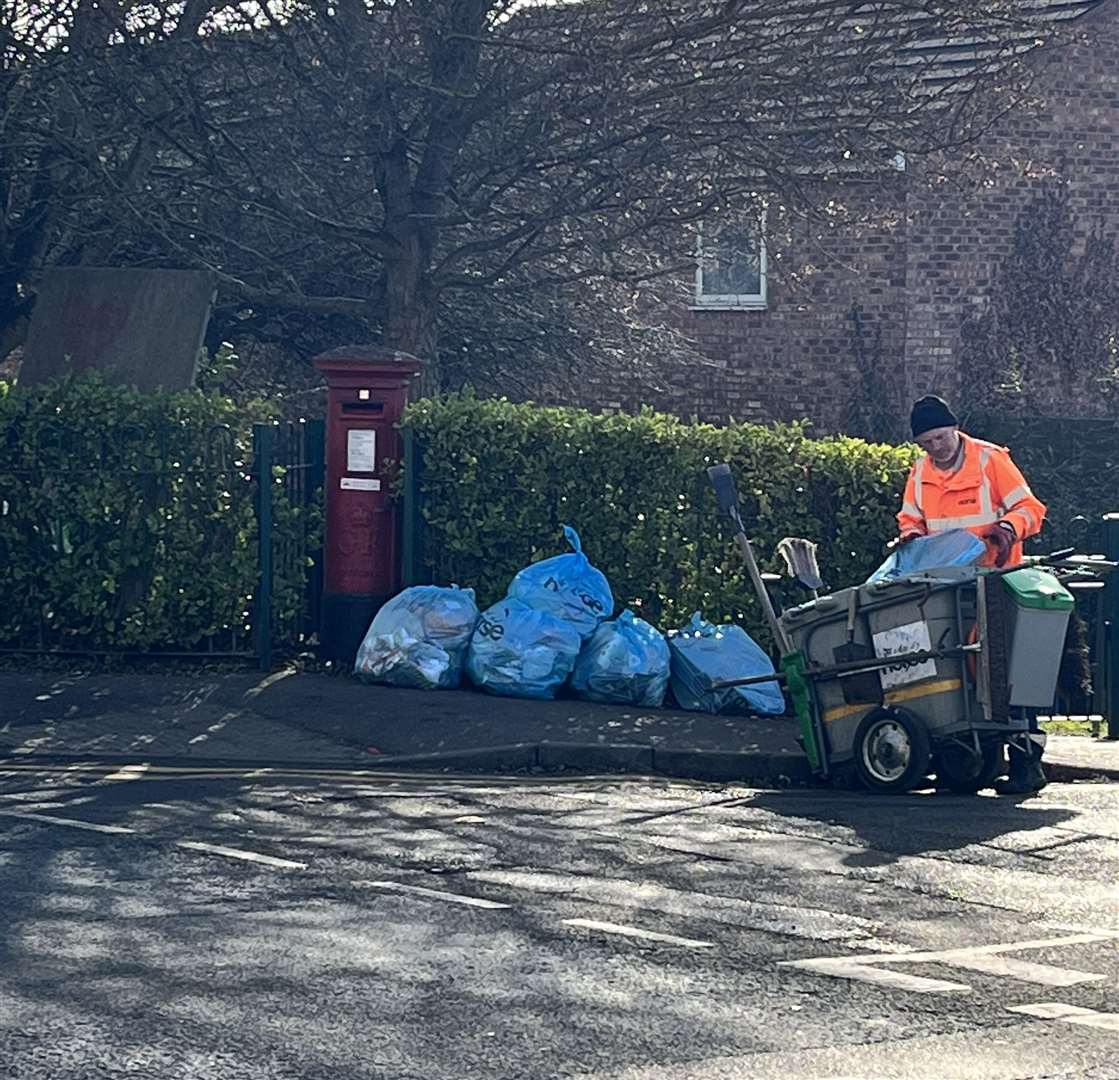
x: 410, y: 512
x: 316, y: 478
x: 263, y: 435
x: 1111, y: 614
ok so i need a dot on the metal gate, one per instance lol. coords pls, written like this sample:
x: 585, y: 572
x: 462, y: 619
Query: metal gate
x: 270, y: 502
x: 288, y: 464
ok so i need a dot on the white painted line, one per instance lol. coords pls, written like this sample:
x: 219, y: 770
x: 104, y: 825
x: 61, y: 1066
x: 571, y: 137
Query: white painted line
x: 988, y: 959
x: 846, y: 967
x: 235, y: 853
x: 1104, y: 1021
x: 951, y: 956
x: 434, y: 894
x: 633, y: 931
x: 128, y: 772
x: 1069, y: 1014
x: 1049, y: 1010
x: 70, y: 822
x: 1024, y: 970
x: 1004, y: 947
x: 33, y: 797
x: 31, y: 803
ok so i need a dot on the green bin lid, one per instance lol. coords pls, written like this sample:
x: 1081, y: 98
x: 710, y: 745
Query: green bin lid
x: 1039, y: 589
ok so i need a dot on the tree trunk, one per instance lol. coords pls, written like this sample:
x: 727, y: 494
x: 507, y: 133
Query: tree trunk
x: 409, y: 311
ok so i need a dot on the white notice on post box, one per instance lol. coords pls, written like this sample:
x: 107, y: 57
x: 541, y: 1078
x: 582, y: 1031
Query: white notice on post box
x: 910, y: 638
x: 361, y: 450
x: 359, y: 483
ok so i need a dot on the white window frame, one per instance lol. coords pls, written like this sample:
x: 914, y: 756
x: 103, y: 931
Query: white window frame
x: 731, y: 301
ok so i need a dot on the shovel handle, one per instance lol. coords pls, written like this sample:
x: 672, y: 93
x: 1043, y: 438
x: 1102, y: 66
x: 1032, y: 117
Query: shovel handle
x: 726, y: 495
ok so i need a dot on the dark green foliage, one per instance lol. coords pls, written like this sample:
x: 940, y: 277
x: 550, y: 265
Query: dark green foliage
x: 1072, y: 464
x: 498, y: 480
x: 1049, y: 332
x: 129, y: 518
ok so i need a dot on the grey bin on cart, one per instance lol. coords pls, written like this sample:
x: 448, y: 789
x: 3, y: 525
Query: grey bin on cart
x: 934, y: 610
x: 894, y: 616
x: 1040, y: 611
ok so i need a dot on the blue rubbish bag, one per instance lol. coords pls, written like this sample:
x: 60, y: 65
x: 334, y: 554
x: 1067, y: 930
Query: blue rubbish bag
x: 955, y: 547
x: 521, y: 651
x: 703, y: 653
x: 567, y: 586
x: 419, y: 638
x: 624, y: 661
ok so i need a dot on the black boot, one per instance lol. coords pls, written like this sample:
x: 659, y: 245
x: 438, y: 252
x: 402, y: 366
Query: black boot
x: 1027, y: 777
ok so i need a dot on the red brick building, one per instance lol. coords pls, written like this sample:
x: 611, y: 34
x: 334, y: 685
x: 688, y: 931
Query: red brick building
x: 783, y: 344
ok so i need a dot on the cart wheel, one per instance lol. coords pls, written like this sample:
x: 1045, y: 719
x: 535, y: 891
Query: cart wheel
x: 891, y: 750
x: 959, y: 769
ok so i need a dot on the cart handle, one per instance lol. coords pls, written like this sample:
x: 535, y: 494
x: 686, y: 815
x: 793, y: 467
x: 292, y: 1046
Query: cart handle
x: 853, y: 667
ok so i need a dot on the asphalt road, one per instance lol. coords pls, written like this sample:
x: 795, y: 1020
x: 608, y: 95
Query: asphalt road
x: 232, y: 925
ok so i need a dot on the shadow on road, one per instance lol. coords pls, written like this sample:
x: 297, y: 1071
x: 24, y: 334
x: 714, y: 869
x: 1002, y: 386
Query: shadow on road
x: 891, y: 827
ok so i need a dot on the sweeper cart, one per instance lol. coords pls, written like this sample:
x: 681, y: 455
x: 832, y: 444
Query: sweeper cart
x: 933, y: 671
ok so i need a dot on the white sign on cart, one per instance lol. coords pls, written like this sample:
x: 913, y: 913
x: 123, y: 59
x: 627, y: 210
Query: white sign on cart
x: 908, y: 638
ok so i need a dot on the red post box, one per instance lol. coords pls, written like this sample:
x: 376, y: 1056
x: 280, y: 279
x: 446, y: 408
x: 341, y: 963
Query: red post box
x: 367, y: 389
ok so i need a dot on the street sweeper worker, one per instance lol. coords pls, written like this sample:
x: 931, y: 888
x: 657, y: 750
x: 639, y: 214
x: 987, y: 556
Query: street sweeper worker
x: 965, y: 483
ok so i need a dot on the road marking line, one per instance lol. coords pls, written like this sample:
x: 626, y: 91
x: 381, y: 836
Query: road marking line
x: 990, y: 950
x: 128, y: 772
x: 30, y: 803
x: 983, y: 958
x: 842, y: 967
x: 1069, y: 1014
x: 1049, y: 1010
x: 70, y: 822
x: 236, y: 853
x: 434, y: 894
x: 1024, y: 970
x: 633, y: 931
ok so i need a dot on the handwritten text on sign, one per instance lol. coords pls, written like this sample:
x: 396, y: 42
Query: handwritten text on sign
x: 910, y: 638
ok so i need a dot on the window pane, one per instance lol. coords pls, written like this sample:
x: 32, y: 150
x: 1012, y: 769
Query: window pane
x: 731, y: 265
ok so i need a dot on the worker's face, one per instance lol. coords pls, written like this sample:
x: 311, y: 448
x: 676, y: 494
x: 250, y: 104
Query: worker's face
x: 940, y: 443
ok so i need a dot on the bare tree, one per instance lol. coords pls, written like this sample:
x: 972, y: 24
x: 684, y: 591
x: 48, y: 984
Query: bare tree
x: 465, y: 177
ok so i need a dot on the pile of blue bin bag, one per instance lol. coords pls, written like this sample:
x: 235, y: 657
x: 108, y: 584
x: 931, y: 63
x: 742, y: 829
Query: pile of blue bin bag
x: 703, y: 653
x: 625, y: 662
x: 526, y: 645
x: 956, y: 547
x: 419, y: 638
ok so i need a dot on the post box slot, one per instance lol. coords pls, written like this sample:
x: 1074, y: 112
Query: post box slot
x: 363, y: 406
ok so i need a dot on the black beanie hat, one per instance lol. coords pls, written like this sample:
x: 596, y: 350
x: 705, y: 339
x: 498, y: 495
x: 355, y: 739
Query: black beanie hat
x: 931, y: 412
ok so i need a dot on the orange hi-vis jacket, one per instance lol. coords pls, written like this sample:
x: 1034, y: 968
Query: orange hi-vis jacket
x: 986, y: 489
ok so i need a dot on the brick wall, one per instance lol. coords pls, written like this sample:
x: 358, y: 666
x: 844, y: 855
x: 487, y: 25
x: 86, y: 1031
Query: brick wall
x: 795, y: 358
x: 956, y: 242
x: 919, y: 279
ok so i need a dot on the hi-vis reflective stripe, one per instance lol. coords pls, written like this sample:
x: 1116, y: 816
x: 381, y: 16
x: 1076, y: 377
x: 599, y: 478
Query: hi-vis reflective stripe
x: 918, y: 479
x: 968, y: 521
x: 909, y: 508
x: 986, y: 504
x: 1012, y: 498
x: 987, y: 513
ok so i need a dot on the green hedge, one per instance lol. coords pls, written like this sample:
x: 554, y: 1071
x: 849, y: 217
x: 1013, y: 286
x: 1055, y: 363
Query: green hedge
x: 1072, y: 464
x: 497, y: 481
x: 129, y: 518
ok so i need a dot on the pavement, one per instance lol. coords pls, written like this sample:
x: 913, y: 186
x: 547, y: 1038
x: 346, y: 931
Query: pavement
x: 332, y: 720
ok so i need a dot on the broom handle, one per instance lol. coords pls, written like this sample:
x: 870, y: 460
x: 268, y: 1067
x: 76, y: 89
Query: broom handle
x: 775, y: 626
